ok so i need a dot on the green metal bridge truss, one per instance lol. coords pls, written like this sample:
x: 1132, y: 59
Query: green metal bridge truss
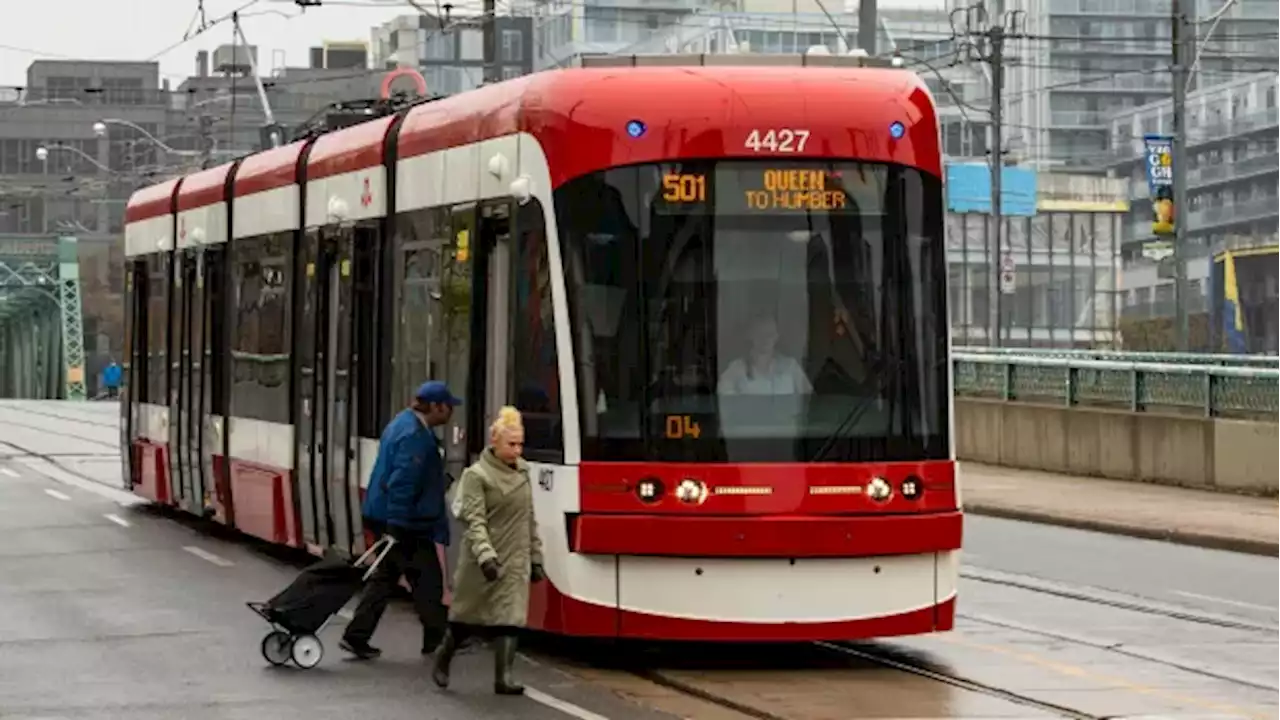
x: 41, y: 319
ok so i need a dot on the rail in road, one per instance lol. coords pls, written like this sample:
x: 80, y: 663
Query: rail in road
x: 146, y: 613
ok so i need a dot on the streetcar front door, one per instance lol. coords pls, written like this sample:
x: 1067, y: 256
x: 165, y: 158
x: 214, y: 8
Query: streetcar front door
x: 326, y: 443
x: 134, y: 390
x: 474, y: 334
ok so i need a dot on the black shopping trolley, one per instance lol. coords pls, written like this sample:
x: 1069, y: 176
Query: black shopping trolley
x: 299, y: 612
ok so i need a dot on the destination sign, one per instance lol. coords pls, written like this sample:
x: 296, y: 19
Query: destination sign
x: 751, y: 190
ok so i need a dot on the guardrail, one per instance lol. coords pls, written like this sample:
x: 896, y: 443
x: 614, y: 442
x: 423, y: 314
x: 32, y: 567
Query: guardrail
x: 1206, y: 389
x: 1128, y: 356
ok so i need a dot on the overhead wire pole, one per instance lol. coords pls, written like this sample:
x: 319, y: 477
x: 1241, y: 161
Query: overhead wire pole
x: 1180, y: 214
x: 991, y: 46
x: 490, y: 31
x: 867, y: 26
x: 996, y: 37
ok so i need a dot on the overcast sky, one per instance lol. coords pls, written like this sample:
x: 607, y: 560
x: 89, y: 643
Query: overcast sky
x: 154, y: 29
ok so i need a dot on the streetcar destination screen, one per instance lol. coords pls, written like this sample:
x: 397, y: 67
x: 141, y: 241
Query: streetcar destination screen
x: 748, y: 189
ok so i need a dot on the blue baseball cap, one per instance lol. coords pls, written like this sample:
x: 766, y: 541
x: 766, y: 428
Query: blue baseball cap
x: 434, y: 391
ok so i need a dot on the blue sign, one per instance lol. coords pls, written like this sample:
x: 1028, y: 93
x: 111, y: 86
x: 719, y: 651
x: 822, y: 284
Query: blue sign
x: 1159, y: 157
x: 969, y: 189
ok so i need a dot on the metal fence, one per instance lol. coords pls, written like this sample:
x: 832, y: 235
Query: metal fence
x: 1127, y: 356
x: 1206, y: 389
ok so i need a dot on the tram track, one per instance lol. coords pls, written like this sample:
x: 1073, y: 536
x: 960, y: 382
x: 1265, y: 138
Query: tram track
x: 843, y: 670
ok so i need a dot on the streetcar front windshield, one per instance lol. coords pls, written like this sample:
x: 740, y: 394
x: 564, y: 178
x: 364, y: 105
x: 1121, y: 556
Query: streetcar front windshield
x: 751, y: 311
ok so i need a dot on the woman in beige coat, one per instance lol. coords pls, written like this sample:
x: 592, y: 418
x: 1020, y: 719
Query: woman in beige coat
x: 500, y: 553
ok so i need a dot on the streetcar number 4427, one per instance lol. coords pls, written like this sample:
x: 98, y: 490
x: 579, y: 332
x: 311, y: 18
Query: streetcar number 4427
x: 782, y: 140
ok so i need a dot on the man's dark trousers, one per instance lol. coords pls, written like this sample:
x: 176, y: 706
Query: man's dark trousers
x: 414, y: 557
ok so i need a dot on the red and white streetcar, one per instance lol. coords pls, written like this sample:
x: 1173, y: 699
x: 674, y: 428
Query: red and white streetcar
x: 716, y: 291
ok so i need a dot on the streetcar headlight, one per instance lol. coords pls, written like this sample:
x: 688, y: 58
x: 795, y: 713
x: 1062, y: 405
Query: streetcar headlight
x: 649, y: 489
x: 691, y: 491
x: 911, y: 488
x: 879, y: 489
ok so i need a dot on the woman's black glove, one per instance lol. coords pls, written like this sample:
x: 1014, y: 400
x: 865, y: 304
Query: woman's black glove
x: 536, y: 574
x: 490, y: 570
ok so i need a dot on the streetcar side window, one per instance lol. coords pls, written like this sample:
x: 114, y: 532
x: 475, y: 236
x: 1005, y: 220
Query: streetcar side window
x: 260, y: 327
x: 157, y: 325
x: 535, y: 370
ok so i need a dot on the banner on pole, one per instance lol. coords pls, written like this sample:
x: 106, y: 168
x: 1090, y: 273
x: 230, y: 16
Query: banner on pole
x: 1160, y: 161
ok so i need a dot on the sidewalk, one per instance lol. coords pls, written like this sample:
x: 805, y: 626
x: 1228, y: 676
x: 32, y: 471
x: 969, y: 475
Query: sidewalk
x: 1191, y: 517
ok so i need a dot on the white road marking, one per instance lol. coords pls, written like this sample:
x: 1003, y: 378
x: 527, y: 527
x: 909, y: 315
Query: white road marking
x: 1225, y: 601
x: 208, y: 556
x: 346, y: 614
x: 9, y: 472
x: 57, y: 474
x: 56, y: 494
x: 556, y: 703
x: 117, y: 520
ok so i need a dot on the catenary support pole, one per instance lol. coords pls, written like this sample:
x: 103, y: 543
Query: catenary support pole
x: 1180, y: 214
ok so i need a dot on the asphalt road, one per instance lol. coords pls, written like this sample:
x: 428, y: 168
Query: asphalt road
x: 108, y: 611
x: 1215, y: 581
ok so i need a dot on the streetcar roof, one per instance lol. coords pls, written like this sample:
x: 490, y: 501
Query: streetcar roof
x: 205, y: 187
x: 151, y: 201
x: 581, y: 114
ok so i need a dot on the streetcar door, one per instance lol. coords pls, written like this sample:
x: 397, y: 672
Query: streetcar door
x: 179, y: 356
x: 495, y: 236
x: 192, y: 383
x: 455, y: 335
x: 133, y: 390
x: 325, y: 438
x: 213, y: 385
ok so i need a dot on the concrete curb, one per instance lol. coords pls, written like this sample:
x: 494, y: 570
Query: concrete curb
x: 1204, y: 540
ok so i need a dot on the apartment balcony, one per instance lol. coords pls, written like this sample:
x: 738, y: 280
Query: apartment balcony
x: 1208, y: 219
x: 1232, y: 170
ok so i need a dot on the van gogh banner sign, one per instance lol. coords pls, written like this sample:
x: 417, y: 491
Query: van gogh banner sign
x: 1160, y: 180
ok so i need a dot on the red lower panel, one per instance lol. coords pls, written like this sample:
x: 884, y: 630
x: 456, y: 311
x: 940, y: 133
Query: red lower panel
x: 786, y: 536
x: 152, y: 463
x: 263, y: 499
x: 551, y: 611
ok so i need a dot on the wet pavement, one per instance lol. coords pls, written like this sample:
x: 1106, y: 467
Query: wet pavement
x: 109, y: 611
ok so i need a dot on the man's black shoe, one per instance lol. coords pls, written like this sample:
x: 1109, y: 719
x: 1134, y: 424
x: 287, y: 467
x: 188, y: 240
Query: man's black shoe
x: 362, y: 651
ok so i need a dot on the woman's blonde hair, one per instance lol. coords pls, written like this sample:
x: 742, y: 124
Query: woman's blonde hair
x: 508, y: 420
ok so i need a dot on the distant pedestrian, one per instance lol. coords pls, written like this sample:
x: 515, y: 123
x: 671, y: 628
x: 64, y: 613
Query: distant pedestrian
x: 406, y: 500
x: 111, y: 377
x: 500, y: 553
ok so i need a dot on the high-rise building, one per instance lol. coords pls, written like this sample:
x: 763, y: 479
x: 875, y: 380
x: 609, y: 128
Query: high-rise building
x: 1083, y: 60
x: 1232, y: 166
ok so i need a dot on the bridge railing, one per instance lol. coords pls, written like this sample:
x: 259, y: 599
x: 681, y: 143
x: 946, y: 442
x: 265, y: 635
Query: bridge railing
x: 1206, y: 389
x: 1226, y: 360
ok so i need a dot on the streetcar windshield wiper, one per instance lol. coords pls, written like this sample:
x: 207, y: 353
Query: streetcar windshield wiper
x: 887, y: 385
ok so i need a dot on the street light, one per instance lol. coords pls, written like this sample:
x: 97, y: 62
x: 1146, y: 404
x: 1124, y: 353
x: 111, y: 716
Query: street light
x: 100, y: 130
x: 42, y: 154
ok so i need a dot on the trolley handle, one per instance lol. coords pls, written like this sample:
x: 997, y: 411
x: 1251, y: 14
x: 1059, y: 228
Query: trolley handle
x: 385, y: 543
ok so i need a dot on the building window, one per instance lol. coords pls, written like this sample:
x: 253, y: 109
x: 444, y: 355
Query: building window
x: 510, y: 71
x: 512, y: 47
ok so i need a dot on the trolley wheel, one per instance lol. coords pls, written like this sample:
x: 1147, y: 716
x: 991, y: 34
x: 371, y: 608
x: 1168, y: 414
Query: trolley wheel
x: 277, y: 647
x: 307, y: 651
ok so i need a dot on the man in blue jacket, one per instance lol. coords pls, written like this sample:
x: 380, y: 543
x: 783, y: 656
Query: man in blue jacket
x: 406, y: 499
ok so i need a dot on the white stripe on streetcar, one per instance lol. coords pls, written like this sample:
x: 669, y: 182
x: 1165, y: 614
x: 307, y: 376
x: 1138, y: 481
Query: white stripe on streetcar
x: 117, y: 520
x: 56, y: 494
x: 8, y: 472
x: 208, y: 556
x: 556, y: 703
x: 1225, y: 601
